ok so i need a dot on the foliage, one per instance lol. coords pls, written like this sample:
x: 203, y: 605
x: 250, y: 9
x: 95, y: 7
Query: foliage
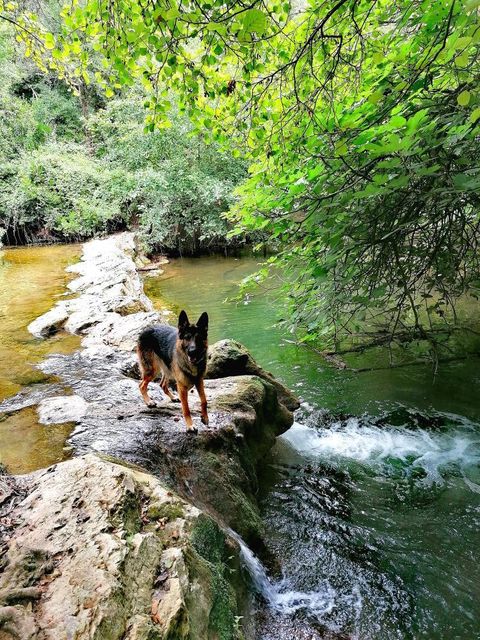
x: 69, y: 176
x: 180, y: 185
x: 361, y: 119
x: 63, y: 189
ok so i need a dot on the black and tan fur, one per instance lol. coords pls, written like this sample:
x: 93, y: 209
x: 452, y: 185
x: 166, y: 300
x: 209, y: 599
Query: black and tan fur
x: 176, y: 355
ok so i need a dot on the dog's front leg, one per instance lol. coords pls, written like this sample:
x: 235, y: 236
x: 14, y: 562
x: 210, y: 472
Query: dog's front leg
x: 183, y: 393
x: 203, y: 401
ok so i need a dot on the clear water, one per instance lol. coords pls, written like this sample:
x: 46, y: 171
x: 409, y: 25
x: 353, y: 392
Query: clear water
x: 31, y: 279
x: 374, y: 519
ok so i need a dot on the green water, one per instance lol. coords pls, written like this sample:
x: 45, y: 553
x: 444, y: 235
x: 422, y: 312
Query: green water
x: 204, y: 284
x: 374, y: 519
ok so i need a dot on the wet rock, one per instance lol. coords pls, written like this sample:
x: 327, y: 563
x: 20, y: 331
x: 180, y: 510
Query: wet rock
x: 121, y: 331
x: 126, y: 577
x: 108, y: 283
x: 61, y: 409
x: 30, y: 396
x: 50, y: 322
x: 230, y: 358
x: 100, y: 550
x: 216, y: 468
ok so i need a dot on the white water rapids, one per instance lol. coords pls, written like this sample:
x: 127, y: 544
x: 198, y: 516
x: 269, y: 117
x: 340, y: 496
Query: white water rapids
x: 439, y: 454
x: 434, y: 452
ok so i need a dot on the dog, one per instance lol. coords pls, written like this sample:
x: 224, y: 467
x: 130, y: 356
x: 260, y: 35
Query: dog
x: 178, y: 355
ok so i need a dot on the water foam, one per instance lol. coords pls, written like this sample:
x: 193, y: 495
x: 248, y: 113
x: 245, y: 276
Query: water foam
x: 432, y: 451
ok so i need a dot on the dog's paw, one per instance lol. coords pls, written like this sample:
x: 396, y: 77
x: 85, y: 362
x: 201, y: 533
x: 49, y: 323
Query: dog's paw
x: 192, y: 431
x: 204, y: 421
x: 152, y: 404
x: 175, y: 399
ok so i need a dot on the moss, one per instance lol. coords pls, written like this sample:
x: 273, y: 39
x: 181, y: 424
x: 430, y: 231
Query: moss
x: 179, y: 628
x: 168, y: 510
x: 223, y: 614
x: 208, y: 540
x: 209, y: 561
x: 128, y: 515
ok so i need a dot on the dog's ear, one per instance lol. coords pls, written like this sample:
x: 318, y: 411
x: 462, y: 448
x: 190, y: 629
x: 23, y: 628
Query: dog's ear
x: 183, y: 322
x: 202, y: 322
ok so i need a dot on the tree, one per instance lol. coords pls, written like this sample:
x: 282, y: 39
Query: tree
x: 361, y: 121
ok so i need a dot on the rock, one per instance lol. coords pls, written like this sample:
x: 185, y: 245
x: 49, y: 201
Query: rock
x: 50, y: 322
x: 61, y: 409
x: 230, y: 358
x: 108, y: 283
x: 121, y: 331
x: 217, y: 467
x: 99, y: 548
x: 106, y: 552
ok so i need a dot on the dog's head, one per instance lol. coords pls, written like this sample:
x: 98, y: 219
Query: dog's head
x: 193, y: 338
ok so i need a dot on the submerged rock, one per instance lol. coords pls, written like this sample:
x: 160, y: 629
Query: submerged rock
x: 101, y: 551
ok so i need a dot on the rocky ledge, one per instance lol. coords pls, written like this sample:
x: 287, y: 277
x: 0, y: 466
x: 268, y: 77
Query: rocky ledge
x: 80, y: 529
x: 98, y: 550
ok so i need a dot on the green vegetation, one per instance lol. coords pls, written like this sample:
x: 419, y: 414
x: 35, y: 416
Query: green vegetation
x: 359, y: 120
x: 68, y: 176
x: 213, y: 559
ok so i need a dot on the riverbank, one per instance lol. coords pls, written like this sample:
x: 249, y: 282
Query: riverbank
x: 216, y: 471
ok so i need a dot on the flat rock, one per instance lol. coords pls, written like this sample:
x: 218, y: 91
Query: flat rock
x: 61, y: 409
x: 107, y: 283
x: 50, y: 322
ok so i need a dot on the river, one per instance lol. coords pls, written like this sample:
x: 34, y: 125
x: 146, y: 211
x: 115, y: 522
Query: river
x: 371, y: 501
x: 31, y: 279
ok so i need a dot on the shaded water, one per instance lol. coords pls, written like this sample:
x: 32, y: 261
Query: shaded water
x: 31, y: 278
x: 374, y: 519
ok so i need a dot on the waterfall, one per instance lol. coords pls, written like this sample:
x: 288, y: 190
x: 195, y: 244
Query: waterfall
x: 278, y: 595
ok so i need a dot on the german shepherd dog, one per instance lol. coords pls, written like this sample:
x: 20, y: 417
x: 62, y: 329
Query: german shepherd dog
x: 178, y: 355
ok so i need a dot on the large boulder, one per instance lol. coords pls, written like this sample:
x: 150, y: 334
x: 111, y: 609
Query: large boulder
x: 97, y: 550
x: 230, y: 358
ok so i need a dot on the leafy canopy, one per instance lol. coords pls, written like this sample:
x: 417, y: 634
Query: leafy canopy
x: 360, y: 118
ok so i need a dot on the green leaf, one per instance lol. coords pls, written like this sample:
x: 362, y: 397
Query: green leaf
x: 475, y: 115
x: 49, y: 41
x: 254, y: 21
x: 463, y: 98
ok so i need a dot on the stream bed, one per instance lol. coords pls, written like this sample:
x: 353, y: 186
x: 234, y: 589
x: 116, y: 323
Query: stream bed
x: 31, y: 280
x: 371, y: 500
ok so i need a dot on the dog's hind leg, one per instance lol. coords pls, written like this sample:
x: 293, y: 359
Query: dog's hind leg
x: 166, y: 389
x: 148, y: 371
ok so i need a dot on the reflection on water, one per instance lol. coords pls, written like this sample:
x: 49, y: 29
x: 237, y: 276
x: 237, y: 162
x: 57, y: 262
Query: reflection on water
x: 199, y: 284
x: 31, y: 278
x: 374, y: 519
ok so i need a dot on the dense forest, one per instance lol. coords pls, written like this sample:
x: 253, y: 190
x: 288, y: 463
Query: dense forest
x: 72, y: 167
x: 343, y: 133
